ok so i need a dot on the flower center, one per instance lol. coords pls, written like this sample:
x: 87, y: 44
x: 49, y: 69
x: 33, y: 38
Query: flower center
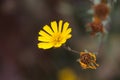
x: 85, y: 58
x: 56, y: 38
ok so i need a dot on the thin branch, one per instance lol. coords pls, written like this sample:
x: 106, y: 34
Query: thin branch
x: 71, y: 50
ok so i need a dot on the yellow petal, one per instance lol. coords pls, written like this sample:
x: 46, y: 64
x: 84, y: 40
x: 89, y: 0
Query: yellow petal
x: 84, y: 66
x: 81, y: 53
x: 54, y: 26
x: 42, y: 33
x: 68, y: 31
x: 45, y: 45
x: 97, y: 64
x: 58, y: 45
x: 91, y: 67
x: 68, y: 36
x: 93, y: 55
x: 63, y: 40
x: 48, y: 29
x: 44, y: 39
x: 65, y: 26
x: 60, y: 25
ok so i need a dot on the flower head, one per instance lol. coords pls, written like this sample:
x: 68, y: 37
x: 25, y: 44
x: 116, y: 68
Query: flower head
x: 54, y: 36
x: 96, y: 27
x: 101, y: 10
x: 88, y: 60
x: 67, y: 74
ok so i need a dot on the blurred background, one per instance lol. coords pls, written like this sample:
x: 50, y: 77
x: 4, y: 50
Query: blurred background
x: 20, y: 59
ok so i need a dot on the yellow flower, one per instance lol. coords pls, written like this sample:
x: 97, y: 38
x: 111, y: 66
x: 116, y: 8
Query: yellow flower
x: 67, y: 74
x: 54, y: 36
x: 88, y: 60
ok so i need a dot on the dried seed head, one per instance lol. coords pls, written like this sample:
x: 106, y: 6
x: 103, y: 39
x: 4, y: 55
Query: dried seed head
x: 96, y: 27
x: 88, y: 60
x: 101, y: 10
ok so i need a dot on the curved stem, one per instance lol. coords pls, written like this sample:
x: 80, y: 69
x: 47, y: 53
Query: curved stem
x: 69, y: 49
